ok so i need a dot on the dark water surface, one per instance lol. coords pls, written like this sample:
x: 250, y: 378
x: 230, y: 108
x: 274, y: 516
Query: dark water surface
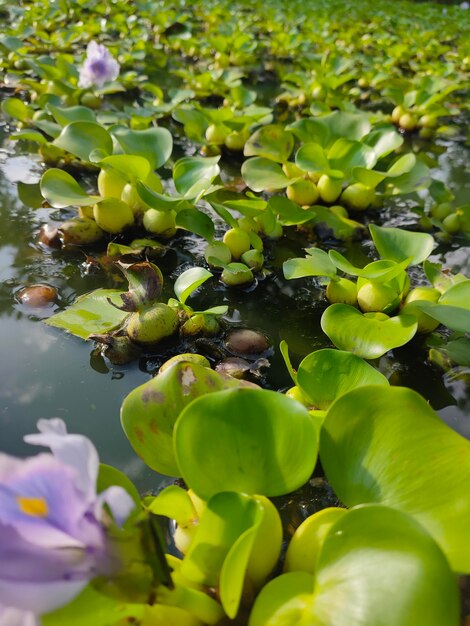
x: 45, y: 373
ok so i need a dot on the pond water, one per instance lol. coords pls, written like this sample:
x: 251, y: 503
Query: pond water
x: 44, y: 372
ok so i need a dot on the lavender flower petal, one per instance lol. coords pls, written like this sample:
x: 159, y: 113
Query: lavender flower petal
x: 98, y: 68
x: 10, y: 616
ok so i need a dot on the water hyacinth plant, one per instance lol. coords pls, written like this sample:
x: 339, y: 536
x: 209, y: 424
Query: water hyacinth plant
x: 189, y: 165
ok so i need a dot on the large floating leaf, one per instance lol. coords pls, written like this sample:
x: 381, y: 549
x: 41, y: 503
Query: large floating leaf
x: 383, y: 270
x: 130, y: 166
x: 387, y: 445
x: 397, y: 244
x: 82, y: 138
x: 149, y: 412
x: 66, y: 115
x: 327, y: 374
x: 266, y: 443
x: 262, y: 174
x: 367, y: 335
x: 311, y: 157
x: 62, y: 190
x: 271, y: 142
x: 154, y: 144
x: 367, y: 552
x: 346, y: 154
x: 90, y: 314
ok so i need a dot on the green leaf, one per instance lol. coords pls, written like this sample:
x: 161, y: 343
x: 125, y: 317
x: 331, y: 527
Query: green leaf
x: 196, y: 222
x: 66, y: 115
x: 317, y: 263
x: 92, y: 607
x: 369, y: 336
x: 401, y: 166
x: 383, y: 270
x: 17, y: 109
x: 29, y: 135
x: 266, y: 443
x: 341, y: 124
x: 369, y: 178
x: 149, y: 412
x: 328, y: 224
x: 311, y: 157
x: 454, y: 317
x: 160, y: 201
x: 311, y: 130
x: 374, y: 444
x: 30, y: 194
x: 262, y: 174
x: 154, y: 144
x: 397, y: 244
x: 62, y: 190
x: 192, y: 175
x: 367, y: 552
x: 418, y: 178
x: 189, y: 281
x: 130, y: 166
x: 270, y: 142
x: 290, y: 213
x: 458, y: 295
x: 346, y: 154
x: 326, y: 375
x: 90, y: 314
x: 82, y: 138
x: 227, y: 517
x: 284, y: 348
x: 384, y: 141
x: 175, y: 503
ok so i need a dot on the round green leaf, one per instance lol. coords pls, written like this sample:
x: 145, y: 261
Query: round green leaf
x: 266, y: 443
x: 149, y: 412
x: 402, y: 165
x: 66, y: 115
x: 154, y: 144
x: 367, y: 336
x: 368, y: 552
x: 261, y: 174
x: 62, y: 190
x: 311, y: 157
x: 81, y: 138
x: 17, y: 109
x: 130, y: 166
x: 327, y: 374
x: 397, y: 244
x: 387, y: 445
x: 271, y: 142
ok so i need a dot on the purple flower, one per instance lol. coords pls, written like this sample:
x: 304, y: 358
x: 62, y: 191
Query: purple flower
x: 52, y: 534
x: 99, y: 66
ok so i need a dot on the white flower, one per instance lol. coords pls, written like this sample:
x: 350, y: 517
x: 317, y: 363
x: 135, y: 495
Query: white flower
x: 99, y: 66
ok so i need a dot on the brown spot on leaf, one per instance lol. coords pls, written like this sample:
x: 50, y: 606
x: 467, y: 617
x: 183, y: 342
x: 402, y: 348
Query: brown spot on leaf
x: 139, y: 434
x: 152, y: 395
